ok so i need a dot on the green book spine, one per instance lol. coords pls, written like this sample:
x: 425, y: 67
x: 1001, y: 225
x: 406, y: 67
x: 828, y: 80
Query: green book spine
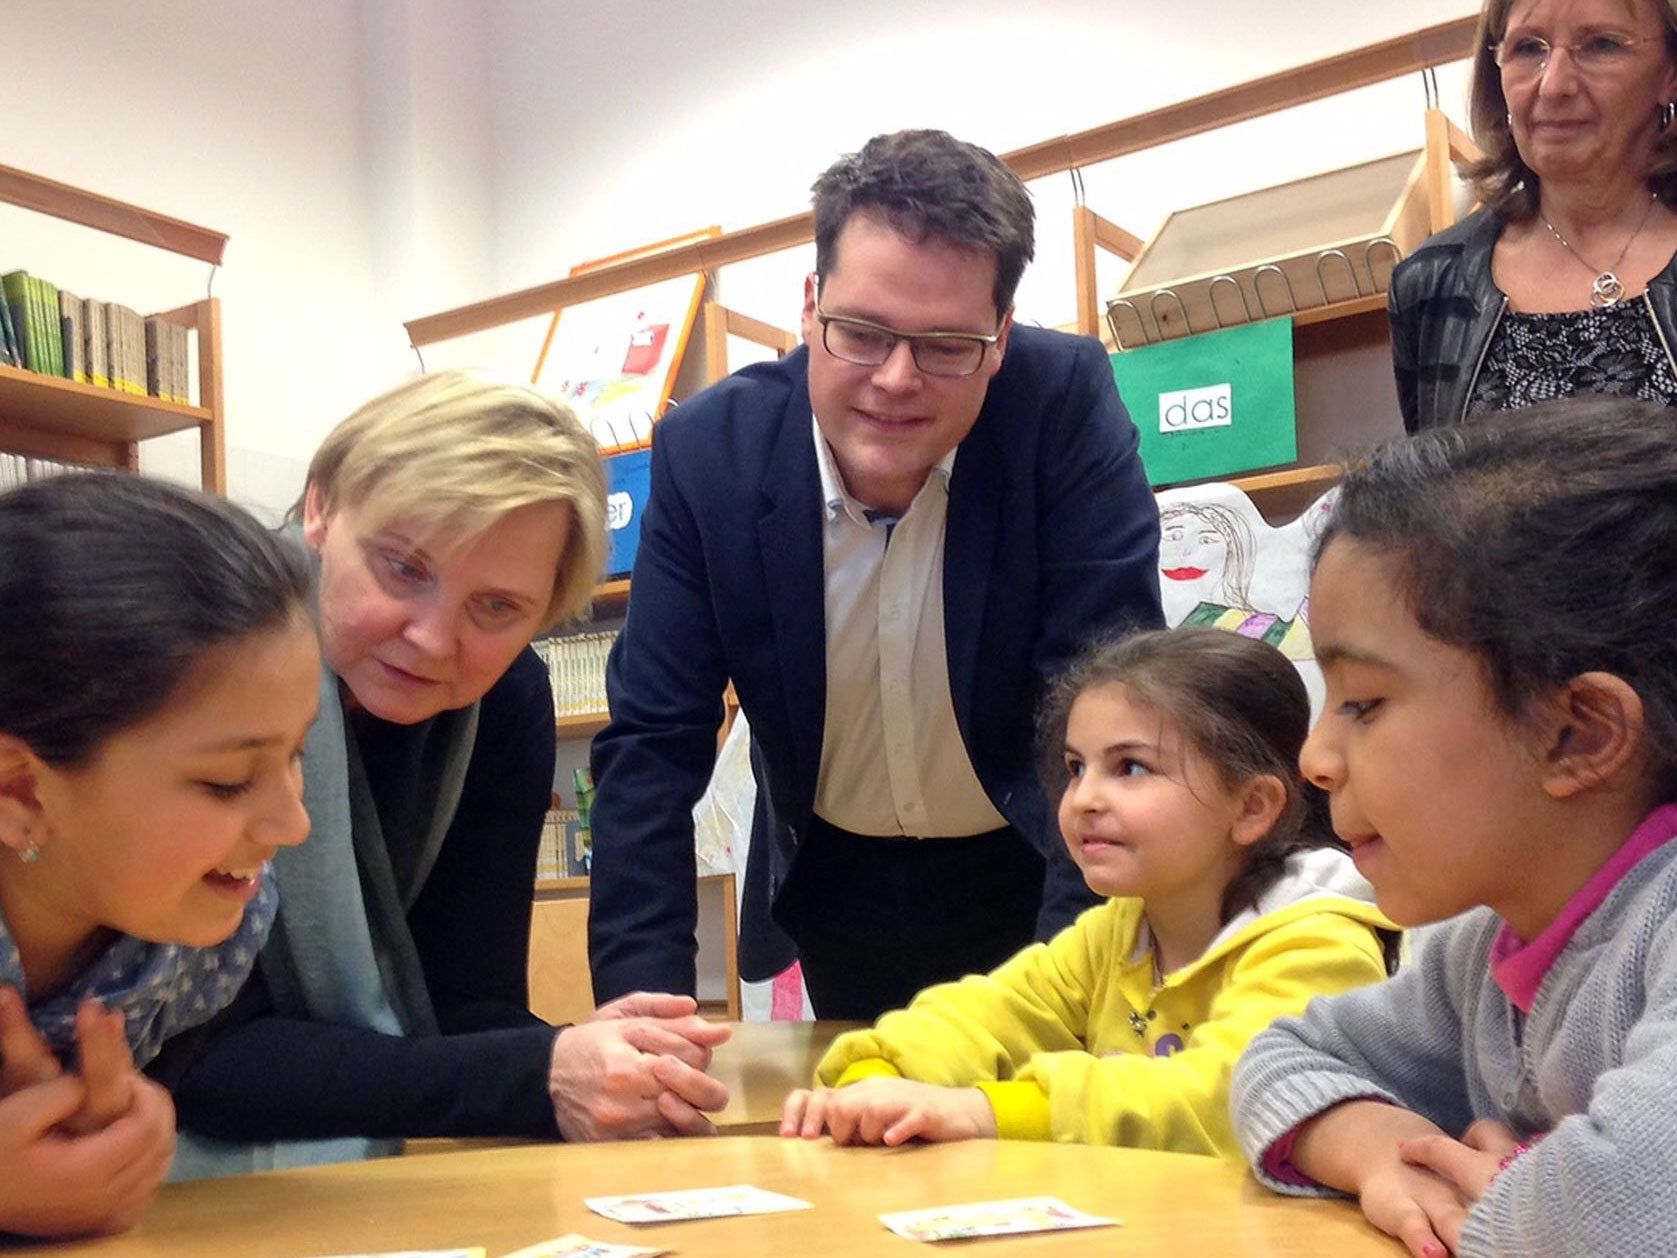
x: 39, y: 359
x: 15, y: 286
x: 8, y: 334
x: 54, y: 328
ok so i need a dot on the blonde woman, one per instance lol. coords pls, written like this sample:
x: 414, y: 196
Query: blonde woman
x: 449, y: 521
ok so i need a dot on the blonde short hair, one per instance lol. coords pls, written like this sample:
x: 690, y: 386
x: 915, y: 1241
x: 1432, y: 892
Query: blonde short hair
x: 454, y: 451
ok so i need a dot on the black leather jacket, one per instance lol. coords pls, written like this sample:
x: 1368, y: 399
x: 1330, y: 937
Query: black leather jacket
x: 1444, y: 306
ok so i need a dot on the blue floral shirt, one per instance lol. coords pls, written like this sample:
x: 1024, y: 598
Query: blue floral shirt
x: 160, y: 989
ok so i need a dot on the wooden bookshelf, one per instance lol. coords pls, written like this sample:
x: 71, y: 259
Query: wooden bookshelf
x: 560, y: 987
x: 611, y: 597
x: 582, y: 724
x: 587, y: 724
x: 51, y: 417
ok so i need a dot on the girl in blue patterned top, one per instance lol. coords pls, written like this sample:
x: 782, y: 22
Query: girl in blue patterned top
x: 157, y: 676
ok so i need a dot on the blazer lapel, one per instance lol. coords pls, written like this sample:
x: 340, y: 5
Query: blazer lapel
x: 789, y: 538
x: 969, y: 547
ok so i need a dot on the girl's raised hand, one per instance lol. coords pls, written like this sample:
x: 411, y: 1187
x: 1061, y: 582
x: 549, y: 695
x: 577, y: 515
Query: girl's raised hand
x: 107, y: 1066
x: 107, y: 1069
x: 53, y: 1183
x: 889, y: 1112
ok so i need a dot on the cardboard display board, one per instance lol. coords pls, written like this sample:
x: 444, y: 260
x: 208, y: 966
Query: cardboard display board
x: 1212, y: 405
x: 615, y: 358
x: 1222, y: 564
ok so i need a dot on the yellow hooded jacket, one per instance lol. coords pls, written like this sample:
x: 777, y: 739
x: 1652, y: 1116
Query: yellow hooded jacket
x: 1074, y: 1040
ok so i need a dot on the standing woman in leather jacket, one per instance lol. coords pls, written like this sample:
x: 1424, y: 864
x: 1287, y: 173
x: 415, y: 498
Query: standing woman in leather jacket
x: 1565, y: 282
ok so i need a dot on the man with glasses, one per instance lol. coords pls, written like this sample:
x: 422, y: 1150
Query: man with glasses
x: 888, y: 540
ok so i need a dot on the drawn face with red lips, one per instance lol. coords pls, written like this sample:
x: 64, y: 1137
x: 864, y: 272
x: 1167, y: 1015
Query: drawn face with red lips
x: 1191, y: 548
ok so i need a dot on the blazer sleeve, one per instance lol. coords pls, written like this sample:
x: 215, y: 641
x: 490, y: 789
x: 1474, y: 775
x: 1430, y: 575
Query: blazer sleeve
x: 664, y: 684
x: 1098, y: 549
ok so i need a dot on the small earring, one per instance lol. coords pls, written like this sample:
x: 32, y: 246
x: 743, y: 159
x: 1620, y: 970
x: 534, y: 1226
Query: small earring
x: 1668, y: 114
x: 30, y: 852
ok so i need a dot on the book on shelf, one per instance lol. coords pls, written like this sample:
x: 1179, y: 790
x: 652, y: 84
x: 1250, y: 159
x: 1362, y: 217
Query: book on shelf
x: 95, y: 346
x: 48, y: 330
x: 11, y: 350
x: 21, y: 302
x: 125, y: 334
x: 179, y: 353
x: 72, y: 319
x: 558, y: 856
x: 158, y: 372
x: 576, y: 668
x: 19, y: 469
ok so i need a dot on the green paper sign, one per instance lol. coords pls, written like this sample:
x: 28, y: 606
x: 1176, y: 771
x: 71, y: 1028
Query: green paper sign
x: 1212, y: 404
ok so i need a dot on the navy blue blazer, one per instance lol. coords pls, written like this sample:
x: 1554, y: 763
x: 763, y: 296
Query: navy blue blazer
x: 1052, y: 535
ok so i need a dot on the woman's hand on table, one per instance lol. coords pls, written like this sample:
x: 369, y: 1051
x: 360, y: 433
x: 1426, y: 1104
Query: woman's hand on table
x: 889, y: 1112
x: 636, y: 1070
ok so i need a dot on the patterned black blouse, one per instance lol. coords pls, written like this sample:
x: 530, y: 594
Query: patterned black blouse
x: 1535, y: 357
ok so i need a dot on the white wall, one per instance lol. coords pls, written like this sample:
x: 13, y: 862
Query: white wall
x: 374, y: 160
x: 342, y: 147
x: 621, y: 124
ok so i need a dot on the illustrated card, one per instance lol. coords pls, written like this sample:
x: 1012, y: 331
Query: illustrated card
x: 693, y: 1203
x: 574, y: 1246
x: 990, y: 1218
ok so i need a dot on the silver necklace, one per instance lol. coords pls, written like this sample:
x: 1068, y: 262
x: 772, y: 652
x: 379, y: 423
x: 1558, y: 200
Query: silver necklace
x: 1606, y: 289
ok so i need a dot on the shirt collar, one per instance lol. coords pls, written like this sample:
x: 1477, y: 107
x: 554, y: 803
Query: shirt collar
x: 1519, y: 968
x: 837, y: 498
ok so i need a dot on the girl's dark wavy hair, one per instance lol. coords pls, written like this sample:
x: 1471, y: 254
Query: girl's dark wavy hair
x: 1238, y: 701
x: 1542, y: 540
x: 111, y: 587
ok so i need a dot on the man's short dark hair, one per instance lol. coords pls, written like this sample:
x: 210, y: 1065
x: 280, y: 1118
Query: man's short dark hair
x: 929, y: 184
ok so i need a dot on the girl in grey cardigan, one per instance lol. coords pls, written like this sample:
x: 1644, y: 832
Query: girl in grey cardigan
x: 1493, y: 607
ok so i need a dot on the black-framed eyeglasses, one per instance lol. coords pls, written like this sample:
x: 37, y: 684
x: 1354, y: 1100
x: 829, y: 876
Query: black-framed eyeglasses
x: 1527, y: 56
x: 871, y: 344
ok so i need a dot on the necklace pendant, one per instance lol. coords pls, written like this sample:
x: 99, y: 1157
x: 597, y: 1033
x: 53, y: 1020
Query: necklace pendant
x: 1606, y: 290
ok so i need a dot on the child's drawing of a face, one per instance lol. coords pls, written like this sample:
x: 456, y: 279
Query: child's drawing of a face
x: 1204, y: 556
x: 1192, y: 550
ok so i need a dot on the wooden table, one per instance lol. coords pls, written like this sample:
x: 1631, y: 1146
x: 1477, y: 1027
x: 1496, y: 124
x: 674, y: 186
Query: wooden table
x: 507, y: 1198
x: 761, y: 1063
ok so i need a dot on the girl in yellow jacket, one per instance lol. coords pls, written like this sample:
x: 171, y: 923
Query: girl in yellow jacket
x: 1175, y: 756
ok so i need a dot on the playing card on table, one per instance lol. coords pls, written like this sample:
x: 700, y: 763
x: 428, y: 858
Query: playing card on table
x: 693, y: 1203
x: 574, y: 1246
x: 990, y: 1218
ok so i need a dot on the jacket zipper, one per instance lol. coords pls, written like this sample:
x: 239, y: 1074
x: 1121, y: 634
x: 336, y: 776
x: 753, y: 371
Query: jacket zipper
x: 1653, y: 318
x: 1479, y: 362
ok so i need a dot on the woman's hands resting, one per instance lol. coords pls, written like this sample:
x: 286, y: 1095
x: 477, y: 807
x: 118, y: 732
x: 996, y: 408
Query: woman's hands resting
x: 80, y: 1153
x: 636, y: 1070
x: 888, y: 1111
